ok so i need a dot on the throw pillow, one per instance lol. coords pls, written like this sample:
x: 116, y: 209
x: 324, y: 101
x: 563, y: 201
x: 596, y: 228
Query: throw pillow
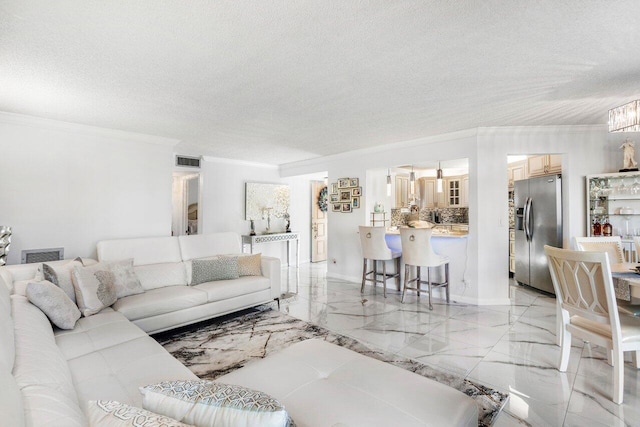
x: 54, y: 303
x: 60, y: 275
x: 125, y: 280
x: 109, y: 413
x: 250, y: 265
x: 94, y: 288
x: 207, y: 403
x: 208, y: 270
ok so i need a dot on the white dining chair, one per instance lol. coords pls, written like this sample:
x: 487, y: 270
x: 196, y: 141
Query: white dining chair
x: 418, y: 252
x: 374, y: 248
x: 588, y: 309
x: 609, y: 244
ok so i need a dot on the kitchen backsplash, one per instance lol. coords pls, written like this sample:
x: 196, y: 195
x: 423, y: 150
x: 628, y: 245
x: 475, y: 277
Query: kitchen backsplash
x: 447, y: 215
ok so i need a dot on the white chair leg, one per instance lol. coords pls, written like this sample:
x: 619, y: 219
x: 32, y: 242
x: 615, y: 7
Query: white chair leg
x: 364, y: 275
x: 618, y: 377
x: 565, y: 350
x: 384, y: 278
x: 407, y: 269
x: 430, y: 289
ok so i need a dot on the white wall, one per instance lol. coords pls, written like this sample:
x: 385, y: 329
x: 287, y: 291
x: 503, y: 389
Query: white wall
x: 223, y: 199
x: 67, y: 185
x: 586, y: 149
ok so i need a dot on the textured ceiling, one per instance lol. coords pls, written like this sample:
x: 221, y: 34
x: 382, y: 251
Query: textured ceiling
x: 281, y: 81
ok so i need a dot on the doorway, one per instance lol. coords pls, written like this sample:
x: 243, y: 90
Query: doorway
x: 319, y: 209
x: 186, y: 215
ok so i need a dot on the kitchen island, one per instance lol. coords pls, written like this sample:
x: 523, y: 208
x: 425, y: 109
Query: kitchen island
x: 449, y: 240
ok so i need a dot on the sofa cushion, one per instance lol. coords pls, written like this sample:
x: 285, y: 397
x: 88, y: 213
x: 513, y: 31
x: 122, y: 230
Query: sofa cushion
x: 225, y: 289
x: 208, y: 404
x: 160, y: 301
x: 54, y: 303
x: 103, y: 330
x: 205, y: 245
x: 144, y: 251
x: 11, y: 406
x: 109, y: 413
x: 126, y: 281
x: 110, y: 358
x: 156, y: 276
x: 94, y: 287
x: 41, y: 371
x: 224, y: 268
x: 7, y: 343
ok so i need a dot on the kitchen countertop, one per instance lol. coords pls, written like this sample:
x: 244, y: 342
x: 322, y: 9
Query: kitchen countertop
x: 437, y: 232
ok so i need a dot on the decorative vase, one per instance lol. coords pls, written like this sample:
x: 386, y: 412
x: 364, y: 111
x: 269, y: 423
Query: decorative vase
x: 5, y: 242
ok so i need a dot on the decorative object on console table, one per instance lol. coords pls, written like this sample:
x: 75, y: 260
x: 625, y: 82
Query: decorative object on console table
x: 5, y: 242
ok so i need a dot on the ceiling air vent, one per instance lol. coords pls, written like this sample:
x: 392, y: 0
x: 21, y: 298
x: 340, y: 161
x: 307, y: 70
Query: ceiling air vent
x: 189, y: 162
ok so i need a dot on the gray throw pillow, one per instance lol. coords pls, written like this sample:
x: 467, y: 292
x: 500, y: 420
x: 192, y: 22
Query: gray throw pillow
x: 208, y: 270
x: 54, y: 303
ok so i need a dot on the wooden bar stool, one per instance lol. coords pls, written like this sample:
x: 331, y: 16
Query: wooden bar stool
x: 374, y: 247
x: 417, y: 251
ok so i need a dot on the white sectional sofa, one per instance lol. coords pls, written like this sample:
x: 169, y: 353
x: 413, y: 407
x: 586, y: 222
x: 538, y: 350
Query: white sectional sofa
x: 48, y: 375
x: 163, y: 265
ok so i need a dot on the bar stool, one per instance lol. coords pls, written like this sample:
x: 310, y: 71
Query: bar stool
x: 374, y: 247
x: 417, y: 251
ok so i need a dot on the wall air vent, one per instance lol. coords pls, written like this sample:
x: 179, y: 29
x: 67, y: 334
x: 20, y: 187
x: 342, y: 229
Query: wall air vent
x: 189, y: 162
x: 42, y: 255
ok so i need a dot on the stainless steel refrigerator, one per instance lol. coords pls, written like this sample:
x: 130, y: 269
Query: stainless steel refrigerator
x: 538, y: 204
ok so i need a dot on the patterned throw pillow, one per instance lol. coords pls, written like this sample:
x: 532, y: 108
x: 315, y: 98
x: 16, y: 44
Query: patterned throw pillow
x: 125, y: 279
x: 60, y: 275
x: 54, y: 303
x: 207, y: 403
x: 250, y: 265
x: 208, y: 270
x: 94, y: 287
x: 109, y: 413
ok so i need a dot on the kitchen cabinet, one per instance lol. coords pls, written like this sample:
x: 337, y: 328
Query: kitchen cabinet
x: 464, y: 196
x: 546, y: 164
x: 402, y: 191
x: 432, y: 198
x: 516, y: 171
x: 454, y: 190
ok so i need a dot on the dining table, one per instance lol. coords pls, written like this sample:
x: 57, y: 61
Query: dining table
x: 626, y: 281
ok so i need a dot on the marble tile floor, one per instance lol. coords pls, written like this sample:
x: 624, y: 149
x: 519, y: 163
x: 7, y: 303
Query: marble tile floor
x: 510, y: 348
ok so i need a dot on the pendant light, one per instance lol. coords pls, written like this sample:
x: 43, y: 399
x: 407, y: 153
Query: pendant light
x: 439, y: 179
x: 389, y: 183
x: 412, y: 181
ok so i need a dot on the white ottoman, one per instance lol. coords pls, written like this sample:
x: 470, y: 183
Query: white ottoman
x: 322, y: 384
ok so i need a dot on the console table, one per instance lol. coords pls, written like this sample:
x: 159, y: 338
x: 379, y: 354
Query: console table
x: 274, y: 238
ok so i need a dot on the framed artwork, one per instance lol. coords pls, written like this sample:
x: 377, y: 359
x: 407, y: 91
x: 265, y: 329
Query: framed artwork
x: 333, y: 198
x: 337, y: 207
x: 356, y: 191
x: 334, y: 188
x: 263, y: 200
x: 346, y: 207
x: 345, y: 196
x: 343, y: 182
x: 353, y: 182
x: 355, y: 202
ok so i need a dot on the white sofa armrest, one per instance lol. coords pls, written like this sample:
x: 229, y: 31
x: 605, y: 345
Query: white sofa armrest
x: 271, y: 269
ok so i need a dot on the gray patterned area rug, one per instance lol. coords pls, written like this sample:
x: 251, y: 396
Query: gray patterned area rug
x: 215, y: 348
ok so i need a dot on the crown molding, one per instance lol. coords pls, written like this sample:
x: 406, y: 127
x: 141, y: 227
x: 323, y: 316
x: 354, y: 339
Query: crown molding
x: 57, y: 125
